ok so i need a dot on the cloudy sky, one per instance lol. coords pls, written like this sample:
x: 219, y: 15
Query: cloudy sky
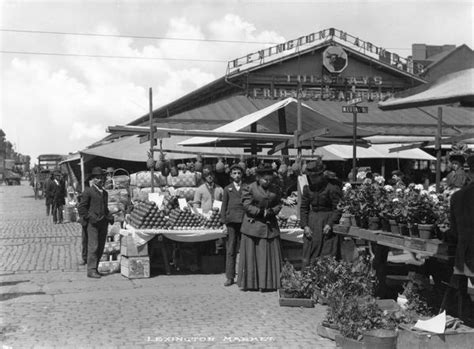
x: 56, y: 100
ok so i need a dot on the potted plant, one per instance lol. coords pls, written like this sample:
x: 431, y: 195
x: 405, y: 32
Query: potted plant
x: 349, y: 205
x: 295, y: 290
x: 421, y: 210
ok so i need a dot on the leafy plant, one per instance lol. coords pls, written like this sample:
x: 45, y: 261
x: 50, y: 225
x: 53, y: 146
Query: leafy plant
x: 293, y: 283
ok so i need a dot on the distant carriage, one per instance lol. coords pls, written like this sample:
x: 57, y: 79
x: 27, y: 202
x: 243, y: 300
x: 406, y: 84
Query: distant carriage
x: 47, y: 164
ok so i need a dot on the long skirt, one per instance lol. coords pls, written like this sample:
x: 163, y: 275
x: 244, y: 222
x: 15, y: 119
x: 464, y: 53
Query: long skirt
x: 259, y: 264
x: 319, y: 245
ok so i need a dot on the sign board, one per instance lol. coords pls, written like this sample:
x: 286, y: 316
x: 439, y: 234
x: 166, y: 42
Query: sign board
x: 354, y: 101
x: 355, y: 109
x: 335, y: 59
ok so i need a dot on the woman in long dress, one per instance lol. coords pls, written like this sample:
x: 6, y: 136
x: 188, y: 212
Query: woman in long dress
x: 260, y: 254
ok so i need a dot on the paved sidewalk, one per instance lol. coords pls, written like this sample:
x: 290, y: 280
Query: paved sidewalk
x: 46, y: 301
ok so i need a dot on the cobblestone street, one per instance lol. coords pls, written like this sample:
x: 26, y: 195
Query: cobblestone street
x: 46, y: 300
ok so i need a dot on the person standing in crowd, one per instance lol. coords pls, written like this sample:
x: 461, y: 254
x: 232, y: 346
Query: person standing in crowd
x: 232, y: 213
x: 260, y: 253
x: 59, y: 195
x: 83, y: 222
x: 462, y: 221
x: 93, y: 209
x: 48, y: 193
x: 207, y: 192
x: 398, y: 179
x: 457, y: 177
x: 318, y: 214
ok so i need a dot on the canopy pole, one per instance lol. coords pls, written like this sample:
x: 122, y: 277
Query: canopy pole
x: 354, y: 145
x: 299, y: 128
x: 438, y: 149
x: 83, y: 174
x: 152, y: 140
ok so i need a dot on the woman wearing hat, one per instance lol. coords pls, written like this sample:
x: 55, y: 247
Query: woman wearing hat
x: 457, y: 177
x: 318, y: 214
x: 260, y: 254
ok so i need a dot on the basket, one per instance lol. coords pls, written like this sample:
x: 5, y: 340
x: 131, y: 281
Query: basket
x: 121, y: 181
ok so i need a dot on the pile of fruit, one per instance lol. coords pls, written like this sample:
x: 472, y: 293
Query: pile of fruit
x: 213, y: 222
x: 147, y: 215
x: 185, y: 219
x: 291, y: 222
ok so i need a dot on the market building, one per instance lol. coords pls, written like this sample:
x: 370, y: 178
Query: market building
x: 329, y: 68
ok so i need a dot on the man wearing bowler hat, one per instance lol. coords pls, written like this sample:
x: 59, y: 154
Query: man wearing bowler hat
x: 93, y: 209
x: 232, y: 213
x: 318, y: 214
x: 457, y: 177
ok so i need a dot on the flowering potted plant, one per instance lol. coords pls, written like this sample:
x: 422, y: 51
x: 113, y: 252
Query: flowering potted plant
x: 349, y: 205
x: 421, y: 210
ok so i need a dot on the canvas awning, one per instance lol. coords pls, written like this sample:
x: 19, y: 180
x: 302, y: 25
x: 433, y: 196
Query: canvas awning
x: 268, y: 121
x: 377, y: 151
x: 451, y: 88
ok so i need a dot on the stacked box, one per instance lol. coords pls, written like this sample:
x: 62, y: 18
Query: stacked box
x: 135, y: 267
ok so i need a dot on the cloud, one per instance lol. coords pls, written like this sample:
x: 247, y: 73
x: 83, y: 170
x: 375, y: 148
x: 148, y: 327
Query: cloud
x: 61, y: 105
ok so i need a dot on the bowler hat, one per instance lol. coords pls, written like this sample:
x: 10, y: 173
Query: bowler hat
x: 237, y: 167
x: 315, y: 167
x: 457, y: 157
x: 97, y: 171
x: 266, y: 169
x: 110, y: 170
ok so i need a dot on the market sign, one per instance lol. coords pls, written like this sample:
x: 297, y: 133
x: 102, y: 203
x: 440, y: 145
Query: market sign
x: 354, y: 109
x: 335, y: 59
x: 294, y: 46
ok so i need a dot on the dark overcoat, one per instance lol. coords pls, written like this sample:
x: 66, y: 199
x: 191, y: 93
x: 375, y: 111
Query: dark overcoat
x: 232, y: 210
x: 255, y: 200
x: 93, y: 206
x: 462, y: 226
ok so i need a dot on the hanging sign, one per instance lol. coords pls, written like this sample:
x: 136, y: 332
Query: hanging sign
x: 354, y: 109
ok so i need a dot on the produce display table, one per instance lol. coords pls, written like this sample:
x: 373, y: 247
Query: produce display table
x: 423, y: 247
x: 142, y: 236
x: 420, y: 249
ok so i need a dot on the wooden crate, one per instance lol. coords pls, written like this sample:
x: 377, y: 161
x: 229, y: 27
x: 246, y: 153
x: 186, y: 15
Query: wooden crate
x: 392, y: 239
x: 415, y: 243
x: 112, y: 246
x: 294, y: 302
x: 135, y: 267
x: 462, y: 338
x: 128, y: 248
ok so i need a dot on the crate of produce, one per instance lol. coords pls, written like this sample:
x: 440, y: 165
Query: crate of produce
x: 183, y: 179
x: 109, y: 266
x: 128, y: 248
x: 135, y: 267
x: 143, y: 179
x: 285, y: 301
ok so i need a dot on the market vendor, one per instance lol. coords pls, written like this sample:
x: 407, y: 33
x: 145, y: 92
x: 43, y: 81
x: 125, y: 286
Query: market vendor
x: 319, y: 213
x: 208, y: 192
x: 457, y: 177
x: 462, y: 221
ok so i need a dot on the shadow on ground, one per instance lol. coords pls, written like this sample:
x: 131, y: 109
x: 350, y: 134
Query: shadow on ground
x: 8, y: 296
x: 12, y: 283
x: 5, y: 330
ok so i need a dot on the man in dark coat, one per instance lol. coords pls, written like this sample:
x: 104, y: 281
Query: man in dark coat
x: 318, y: 214
x: 232, y: 213
x: 48, y: 193
x: 59, y: 195
x: 93, y: 209
x: 462, y: 223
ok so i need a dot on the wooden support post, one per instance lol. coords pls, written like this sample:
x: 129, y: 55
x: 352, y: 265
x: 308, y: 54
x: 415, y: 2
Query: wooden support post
x: 299, y: 124
x: 83, y: 174
x: 152, y: 140
x: 283, y: 130
x: 254, y: 150
x: 438, y: 149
